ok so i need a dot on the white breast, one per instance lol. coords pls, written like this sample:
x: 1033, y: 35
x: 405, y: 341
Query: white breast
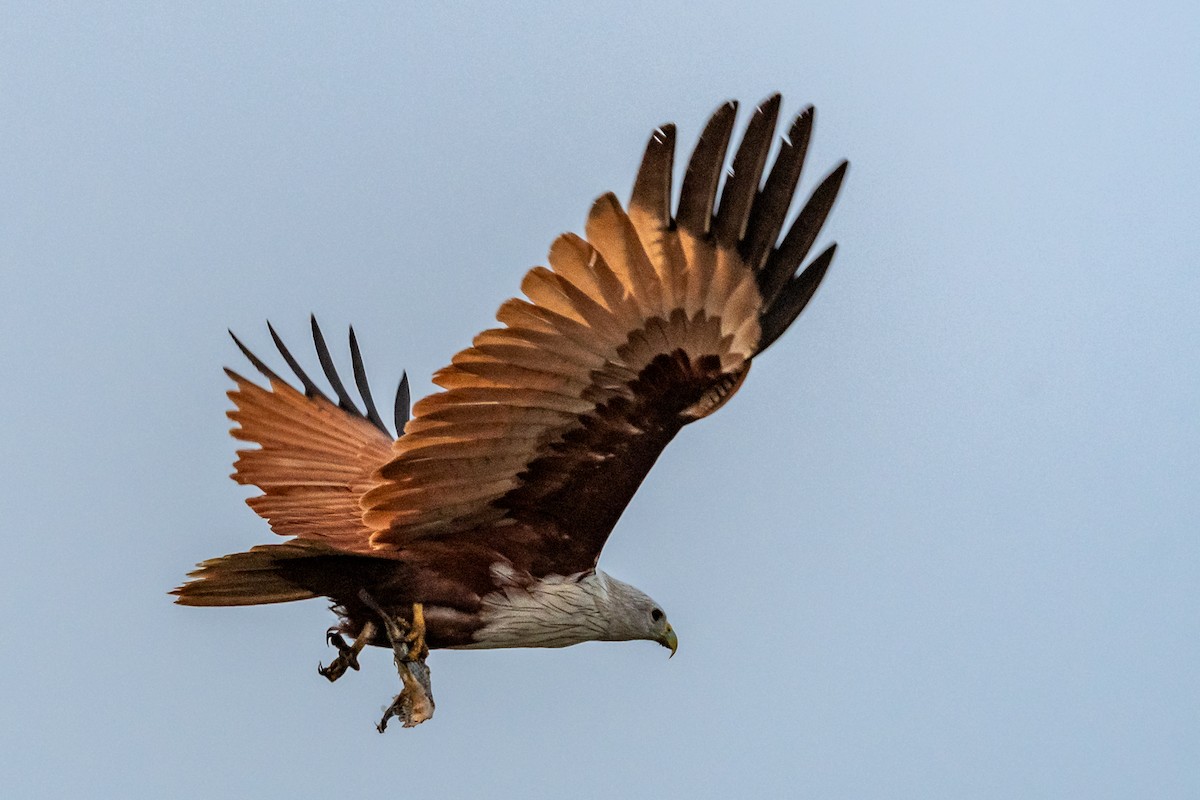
x: 557, y: 611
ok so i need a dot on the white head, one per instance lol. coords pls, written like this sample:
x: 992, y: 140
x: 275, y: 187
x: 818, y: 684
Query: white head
x: 559, y: 611
x: 631, y: 614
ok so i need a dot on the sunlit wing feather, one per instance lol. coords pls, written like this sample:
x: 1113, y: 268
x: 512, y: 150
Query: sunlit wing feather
x: 315, y: 459
x: 648, y: 324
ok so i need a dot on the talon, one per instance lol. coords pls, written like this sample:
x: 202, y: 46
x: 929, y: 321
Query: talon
x: 347, y: 653
x: 335, y: 670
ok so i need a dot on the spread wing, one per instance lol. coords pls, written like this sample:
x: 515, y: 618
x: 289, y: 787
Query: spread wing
x: 316, y: 457
x: 648, y: 323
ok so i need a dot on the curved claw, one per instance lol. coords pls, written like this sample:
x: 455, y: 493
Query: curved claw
x: 347, y: 653
x: 335, y: 670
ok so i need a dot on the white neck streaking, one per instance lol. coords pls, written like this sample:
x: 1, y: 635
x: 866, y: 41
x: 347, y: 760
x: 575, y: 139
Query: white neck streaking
x: 556, y: 611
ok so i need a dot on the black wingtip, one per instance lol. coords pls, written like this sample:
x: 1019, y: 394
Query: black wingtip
x: 794, y: 296
x: 652, y: 186
x: 266, y: 371
x: 783, y: 262
x: 703, y: 174
x: 800, y: 132
x: 327, y: 366
x: 310, y: 388
x: 364, y: 388
x: 802, y: 124
x: 770, y: 207
x: 403, y: 402
x: 742, y: 184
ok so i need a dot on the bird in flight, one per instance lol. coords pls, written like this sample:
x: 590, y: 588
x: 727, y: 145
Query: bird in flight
x: 480, y: 523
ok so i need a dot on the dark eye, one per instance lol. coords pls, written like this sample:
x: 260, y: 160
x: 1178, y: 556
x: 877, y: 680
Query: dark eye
x: 656, y: 615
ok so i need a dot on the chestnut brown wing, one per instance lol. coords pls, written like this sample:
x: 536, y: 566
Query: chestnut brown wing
x: 551, y: 422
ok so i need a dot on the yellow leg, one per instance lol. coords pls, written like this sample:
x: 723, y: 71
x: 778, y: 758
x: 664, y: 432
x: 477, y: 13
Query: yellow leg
x: 409, y: 644
x: 417, y: 649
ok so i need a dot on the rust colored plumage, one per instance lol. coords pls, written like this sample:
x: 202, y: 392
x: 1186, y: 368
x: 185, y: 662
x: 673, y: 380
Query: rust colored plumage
x: 546, y: 425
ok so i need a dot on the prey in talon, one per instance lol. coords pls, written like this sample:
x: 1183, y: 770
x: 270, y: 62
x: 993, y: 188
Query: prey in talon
x: 478, y: 519
x: 414, y: 704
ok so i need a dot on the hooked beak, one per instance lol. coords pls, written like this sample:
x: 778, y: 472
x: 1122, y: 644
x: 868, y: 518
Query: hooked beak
x: 670, y: 640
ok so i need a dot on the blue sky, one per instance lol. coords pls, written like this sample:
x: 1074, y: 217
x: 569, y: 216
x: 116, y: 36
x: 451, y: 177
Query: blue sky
x: 943, y: 544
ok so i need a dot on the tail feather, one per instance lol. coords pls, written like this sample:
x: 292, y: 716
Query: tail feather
x: 246, y: 579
